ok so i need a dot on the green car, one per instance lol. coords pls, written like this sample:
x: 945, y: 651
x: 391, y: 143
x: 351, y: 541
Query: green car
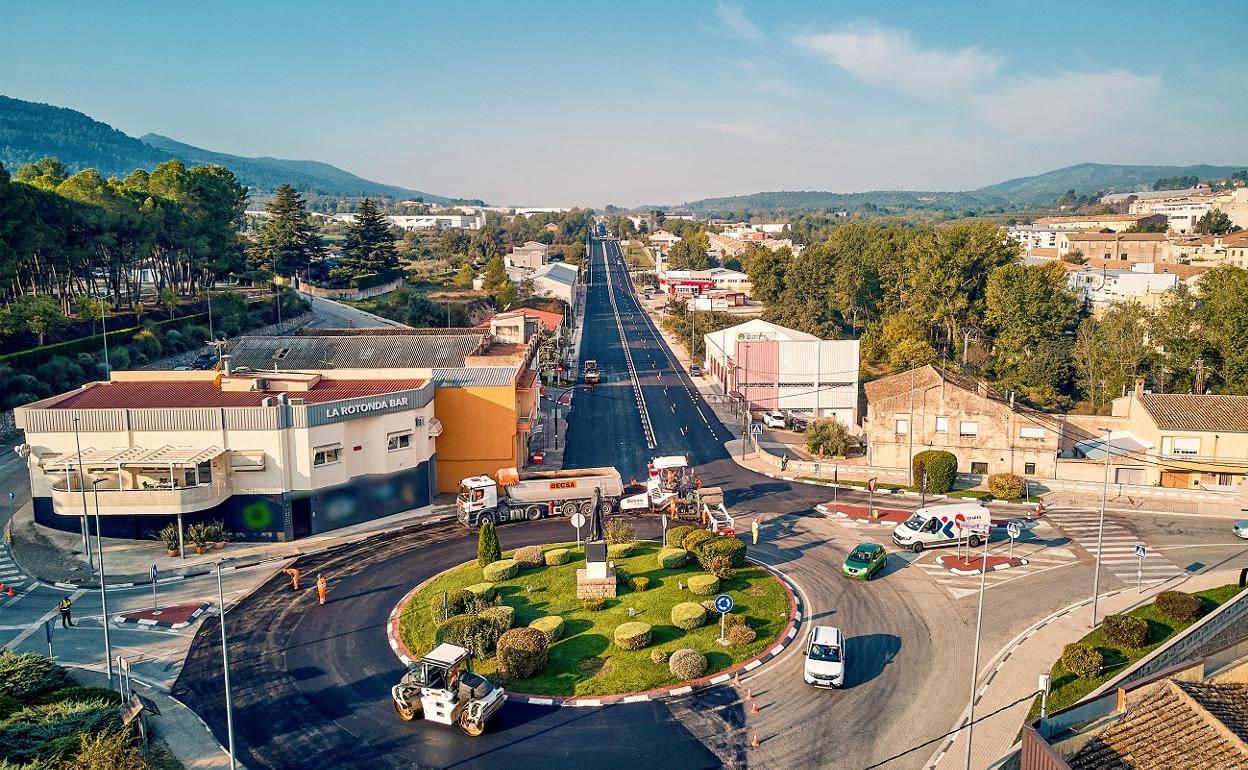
x: 864, y: 561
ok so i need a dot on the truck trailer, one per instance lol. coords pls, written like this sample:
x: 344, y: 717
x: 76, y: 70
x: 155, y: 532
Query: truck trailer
x: 536, y: 495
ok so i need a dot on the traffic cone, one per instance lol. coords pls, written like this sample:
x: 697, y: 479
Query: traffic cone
x: 754, y: 707
x: 749, y: 695
x: 754, y: 743
x: 11, y: 591
x: 736, y: 679
x: 2, y: 587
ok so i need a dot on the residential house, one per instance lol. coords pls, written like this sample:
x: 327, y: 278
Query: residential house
x: 557, y: 280
x: 1124, y: 247
x: 1102, y: 288
x: 530, y: 256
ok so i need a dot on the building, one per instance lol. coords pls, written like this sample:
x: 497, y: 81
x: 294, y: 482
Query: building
x: 551, y: 322
x: 1182, y: 216
x: 557, y: 280
x: 772, y: 367
x: 683, y: 283
x: 1144, y: 196
x: 1102, y: 288
x: 416, y: 222
x: 1124, y: 247
x: 274, y: 455
x: 933, y: 408
x: 530, y: 256
x: 1097, y: 222
x: 663, y: 239
x: 1033, y: 236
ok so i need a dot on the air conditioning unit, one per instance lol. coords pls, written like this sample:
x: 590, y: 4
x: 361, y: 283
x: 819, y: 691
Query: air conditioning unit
x: 259, y: 383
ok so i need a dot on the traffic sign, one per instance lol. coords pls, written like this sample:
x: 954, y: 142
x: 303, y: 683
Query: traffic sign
x: 578, y: 519
x: 723, y: 603
x: 151, y: 572
x: 1141, y: 551
x: 871, y: 485
x: 1014, y: 529
x: 756, y: 430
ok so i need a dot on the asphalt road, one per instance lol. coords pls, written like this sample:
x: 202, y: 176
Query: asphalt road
x: 336, y: 315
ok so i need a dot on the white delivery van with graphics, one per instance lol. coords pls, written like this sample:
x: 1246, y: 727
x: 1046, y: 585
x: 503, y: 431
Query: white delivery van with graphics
x: 938, y: 525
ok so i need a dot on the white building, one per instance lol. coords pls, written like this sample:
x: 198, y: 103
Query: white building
x: 1034, y: 236
x: 1101, y: 289
x: 1182, y: 216
x: 530, y: 256
x: 772, y: 367
x: 682, y: 283
x: 557, y: 279
x: 438, y: 221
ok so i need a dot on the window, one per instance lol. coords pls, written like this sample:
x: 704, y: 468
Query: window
x: 968, y: 428
x: 327, y: 455
x: 903, y: 425
x: 398, y: 441
x: 1029, y: 469
x: 1180, y: 446
x: 205, y: 473
x: 1030, y: 432
x: 980, y: 468
x: 942, y: 424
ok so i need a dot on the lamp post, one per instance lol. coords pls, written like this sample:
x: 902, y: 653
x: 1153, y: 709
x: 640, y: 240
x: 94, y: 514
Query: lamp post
x: 979, y: 620
x: 225, y: 667
x: 99, y: 547
x: 86, y: 538
x: 1100, y: 529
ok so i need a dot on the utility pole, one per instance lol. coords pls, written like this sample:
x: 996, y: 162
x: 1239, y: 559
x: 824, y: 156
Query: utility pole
x: 966, y: 344
x: 225, y: 667
x: 1200, y: 374
x: 1100, y: 530
x: 910, y: 426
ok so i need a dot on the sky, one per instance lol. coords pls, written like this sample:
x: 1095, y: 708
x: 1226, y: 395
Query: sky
x: 590, y: 103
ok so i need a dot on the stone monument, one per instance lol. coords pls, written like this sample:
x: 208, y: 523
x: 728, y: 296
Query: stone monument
x: 597, y: 578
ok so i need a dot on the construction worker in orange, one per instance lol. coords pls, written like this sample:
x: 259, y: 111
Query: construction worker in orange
x: 322, y: 585
x: 294, y: 577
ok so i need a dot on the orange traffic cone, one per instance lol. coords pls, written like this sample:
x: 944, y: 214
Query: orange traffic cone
x: 11, y: 591
x: 754, y: 743
x: 749, y: 695
x: 2, y: 588
x: 753, y: 707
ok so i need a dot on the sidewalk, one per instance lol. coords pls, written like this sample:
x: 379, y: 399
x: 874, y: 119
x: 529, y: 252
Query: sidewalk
x: 53, y: 556
x: 1015, y: 670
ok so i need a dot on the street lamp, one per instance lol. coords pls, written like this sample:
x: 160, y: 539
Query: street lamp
x: 225, y: 667
x: 99, y: 547
x: 979, y: 620
x: 86, y: 538
x: 1100, y: 530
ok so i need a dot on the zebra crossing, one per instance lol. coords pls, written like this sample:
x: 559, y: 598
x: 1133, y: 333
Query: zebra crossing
x: 10, y: 573
x: 1118, y: 551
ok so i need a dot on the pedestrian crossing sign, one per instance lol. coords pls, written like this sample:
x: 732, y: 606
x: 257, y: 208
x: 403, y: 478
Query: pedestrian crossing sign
x: 1141, y: 551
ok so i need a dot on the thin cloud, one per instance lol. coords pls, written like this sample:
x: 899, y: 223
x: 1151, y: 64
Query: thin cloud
x: 1066, y: 96
x: 776, y: 87
x: 889, y: 58
x: 734, y: 22
x: 750, y: 131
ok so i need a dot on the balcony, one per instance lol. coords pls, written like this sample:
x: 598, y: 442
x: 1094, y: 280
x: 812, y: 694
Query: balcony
x: 67, y: 499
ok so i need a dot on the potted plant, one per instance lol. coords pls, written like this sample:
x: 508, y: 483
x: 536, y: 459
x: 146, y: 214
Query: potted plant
x: 169, y: 536
x: 217, y: 534
x: 198, y: 535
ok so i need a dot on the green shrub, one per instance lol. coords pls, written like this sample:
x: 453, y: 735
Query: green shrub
x: 619, y: 532
x: 620, y: 550
x: 676, y: 535
x: 8, y: 705
x: 658, y: 656
x: 593, y: 603
x: 731, y: 547
x: 639, y: 583
x: 551, y: 625
x: 941, y: 467
x: 557, y: 556
x: 458, y: 629
x: 1082, y: 660
x: 147, y: 343
x: 703, y: 585
x: 25, y: 674
x: 119, y: 357
x: 688, y: 615
x: 740, y: 635
x: 41, y: 732
x: 503, y: 569
x: 686, y: 664
x: 720, y: 567
x: 1179, y: 606
x: 731, y: 618
x: 109, y: 750
x: 1006, y: 486
x: 488, y: 549
x: 501, y: 617
x: 632, y: 636
x: 695, y: 539
x: 529, y: 557
x: 486, y: 591
x: 454, y: 605
x: 1126, y: 630
x: 522, y: 652
x: 75, y: 692
x: 671, y: 558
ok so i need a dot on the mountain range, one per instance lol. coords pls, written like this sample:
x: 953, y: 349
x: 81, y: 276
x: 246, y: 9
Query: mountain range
x: 30, y: 131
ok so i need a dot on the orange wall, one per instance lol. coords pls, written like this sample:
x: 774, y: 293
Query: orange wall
x: 479, y: 433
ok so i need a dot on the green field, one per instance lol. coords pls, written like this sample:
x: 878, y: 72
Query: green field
x: 586, y: 661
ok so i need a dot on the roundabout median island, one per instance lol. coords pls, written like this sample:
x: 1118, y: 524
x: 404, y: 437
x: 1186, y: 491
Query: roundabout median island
x: 660, y: 632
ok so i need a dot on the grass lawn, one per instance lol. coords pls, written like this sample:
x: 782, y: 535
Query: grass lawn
x: 1067, y: 689
x: 585, y: 661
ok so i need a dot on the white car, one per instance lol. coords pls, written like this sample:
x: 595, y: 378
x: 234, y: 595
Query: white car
x: 825, y: 657
x: 773, y: 419
x: 1241, y: 529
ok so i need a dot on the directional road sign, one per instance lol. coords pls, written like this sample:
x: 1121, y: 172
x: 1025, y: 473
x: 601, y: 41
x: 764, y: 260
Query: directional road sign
x: 723, y: 603
x: 1014, y: 529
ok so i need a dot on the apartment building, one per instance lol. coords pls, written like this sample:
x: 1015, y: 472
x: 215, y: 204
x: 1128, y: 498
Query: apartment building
x: 1123, y: 247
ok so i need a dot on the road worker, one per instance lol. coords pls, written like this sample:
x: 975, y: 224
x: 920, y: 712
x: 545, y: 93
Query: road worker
x: 322, y: 585
x: 294, y: 577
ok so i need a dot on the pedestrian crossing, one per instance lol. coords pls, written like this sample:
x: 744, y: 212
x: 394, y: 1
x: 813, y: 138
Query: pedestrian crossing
x: 1118, y: 549
x: 10, y: 573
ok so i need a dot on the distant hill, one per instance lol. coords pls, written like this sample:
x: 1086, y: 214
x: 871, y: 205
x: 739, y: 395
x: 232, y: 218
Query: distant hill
x: 30, y: 131
x: 1039, y: 190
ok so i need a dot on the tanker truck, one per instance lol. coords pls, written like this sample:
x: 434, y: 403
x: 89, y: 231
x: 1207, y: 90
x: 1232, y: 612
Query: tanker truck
x: 536, y: 495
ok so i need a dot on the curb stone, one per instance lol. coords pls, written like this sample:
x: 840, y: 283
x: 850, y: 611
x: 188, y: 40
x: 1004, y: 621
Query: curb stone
x: 122, y: 619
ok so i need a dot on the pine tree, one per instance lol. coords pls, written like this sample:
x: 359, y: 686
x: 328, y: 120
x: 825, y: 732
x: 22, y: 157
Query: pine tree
x: 488, y: 549
x: 465, y: 276
x: 369, y: 246
x: 289, y: 241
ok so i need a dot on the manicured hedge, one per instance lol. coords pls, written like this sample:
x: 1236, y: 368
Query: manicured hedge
x: 529, y: 557
x: 740, y: 635
x: 503, y: 569
x: 620, y: 550
x: 593, y: 603
x: 942, y: 470
x: 454, y: 604
x: 551, y: 625
x: 676, y: 535
x: 459, y: 629
x: 731, y: 547
x: 1126, y: 630
x: 671, y: 558
x: 522, y: 652
x: 639, y: 583
x: 632, y: 636
x: 658, y: 656
x: 1006, y: 486
x: 1178, y: 605
x: 688, y: 615
x: 687, y: 664
x: 703, y: 585
x: 486, y: 591
x: 501, y: 617
x: 694, y: 540
x: 556, y: 556
x: 619, y: 532
x: 1082, y: 660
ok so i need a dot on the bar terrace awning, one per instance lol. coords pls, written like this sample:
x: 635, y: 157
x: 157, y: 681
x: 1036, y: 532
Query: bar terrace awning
x: 132, y: 456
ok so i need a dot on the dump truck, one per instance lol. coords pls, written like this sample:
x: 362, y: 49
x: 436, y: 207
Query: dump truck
x: 442, y: 688
x: 536, y: 495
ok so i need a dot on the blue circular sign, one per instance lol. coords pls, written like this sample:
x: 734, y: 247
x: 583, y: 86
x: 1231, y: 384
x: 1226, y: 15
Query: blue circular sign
x: 723, y: 603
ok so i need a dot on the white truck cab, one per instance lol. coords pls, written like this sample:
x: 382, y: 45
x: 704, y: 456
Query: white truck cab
x: 940, y: 525
x: 477, y: 493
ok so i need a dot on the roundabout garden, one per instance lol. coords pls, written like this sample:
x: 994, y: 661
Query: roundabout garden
x: 519, y: 615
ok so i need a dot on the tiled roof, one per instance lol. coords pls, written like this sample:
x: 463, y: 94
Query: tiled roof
x: 1197, y: 412
x: 550, y: 320
x: 361, y: 351
x: 191, y: 394
x: 1076, y: 236
x: 1092, y: 218
x: 1189, y: 725
x: 924, y: 377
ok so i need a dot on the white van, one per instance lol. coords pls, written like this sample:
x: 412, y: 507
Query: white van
x: 938, y: 525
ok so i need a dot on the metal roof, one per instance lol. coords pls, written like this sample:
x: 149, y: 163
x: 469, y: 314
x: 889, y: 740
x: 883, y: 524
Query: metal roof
x: 165, y: 455
x: 483, y: 376
x: 364, y: 351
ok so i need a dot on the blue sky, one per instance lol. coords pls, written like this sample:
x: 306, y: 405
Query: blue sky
x: 653, y: 102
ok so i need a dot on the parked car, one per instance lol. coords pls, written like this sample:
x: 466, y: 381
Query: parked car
x: 695, y: 371
x: 773, y: 419
x: 1241, y: 529
x: 825, y: 657
x: 205, y: 360
x: 864, y: 561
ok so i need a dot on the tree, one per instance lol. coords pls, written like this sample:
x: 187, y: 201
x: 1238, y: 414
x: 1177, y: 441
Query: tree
x: 39, y: 315
x: 488, y: 548
x: 1075, y: 257
x: 1027, y: 308
x: 369, y: 247
x: 1110, y: 351
x: 1215, y: 222
x: 168, y: 299
x: 689, y: 253
x: 466, y: 275
x: 767, y: 270
x: 289, y: 241
x: 827, y: 437
x: 1224, y: 313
